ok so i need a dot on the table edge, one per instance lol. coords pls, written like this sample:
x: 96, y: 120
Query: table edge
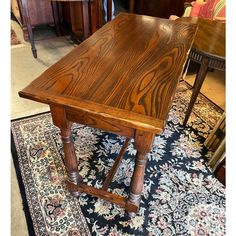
x: 153, y: 125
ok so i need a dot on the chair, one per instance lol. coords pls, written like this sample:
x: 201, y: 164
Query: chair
x: 209, y: 9
x: 216, y: 144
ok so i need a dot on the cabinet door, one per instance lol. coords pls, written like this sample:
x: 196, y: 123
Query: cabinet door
x: 72, y: 14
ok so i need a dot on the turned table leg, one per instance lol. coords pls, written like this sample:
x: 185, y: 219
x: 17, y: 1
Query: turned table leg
x: 143, y: 144
x: 71, y: 163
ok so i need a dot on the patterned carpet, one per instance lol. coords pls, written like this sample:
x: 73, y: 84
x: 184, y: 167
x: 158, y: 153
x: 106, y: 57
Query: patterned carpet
x: 180, y: 197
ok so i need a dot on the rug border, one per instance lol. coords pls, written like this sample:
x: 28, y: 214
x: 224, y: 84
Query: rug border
x: 26, y: 210
x: 190, y: 86
x: 30, y: 116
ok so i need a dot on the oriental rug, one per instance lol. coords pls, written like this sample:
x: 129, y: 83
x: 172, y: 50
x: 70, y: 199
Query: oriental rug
x: 181, y: 196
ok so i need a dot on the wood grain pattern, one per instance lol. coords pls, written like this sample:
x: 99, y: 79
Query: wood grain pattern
x: 131, y: 64
x: 210, y: 37
x: 122, y: 79
x: 99, y: 122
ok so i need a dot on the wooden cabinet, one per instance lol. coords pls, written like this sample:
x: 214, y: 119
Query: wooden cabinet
x: 39, y: 13
x: 159, y: 8
x: 83, y: 16
x: 70, y: 14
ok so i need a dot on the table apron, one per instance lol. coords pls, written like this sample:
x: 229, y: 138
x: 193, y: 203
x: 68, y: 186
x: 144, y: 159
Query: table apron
x: 99, y: 122
x: 214, y: 62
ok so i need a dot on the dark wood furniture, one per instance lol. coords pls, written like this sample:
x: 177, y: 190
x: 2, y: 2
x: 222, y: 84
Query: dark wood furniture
x: 208, y: 50
x: 159, y: 8
x: 122, y: 80
x: 96, y: 14
x: 216, y: 143
x: 39, y: 13
x: 30, y: 14
x: 71, y: 11
x: 109, y: 8
x: 77, y: 7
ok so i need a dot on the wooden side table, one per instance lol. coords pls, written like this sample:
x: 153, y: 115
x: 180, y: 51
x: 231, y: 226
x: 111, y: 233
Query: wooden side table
x: 208, y: 50
x: 122, y: 80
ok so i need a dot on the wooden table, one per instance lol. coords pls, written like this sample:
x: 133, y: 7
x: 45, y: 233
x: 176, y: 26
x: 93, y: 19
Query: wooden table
x: 122, y: 80
x: 208, y: 50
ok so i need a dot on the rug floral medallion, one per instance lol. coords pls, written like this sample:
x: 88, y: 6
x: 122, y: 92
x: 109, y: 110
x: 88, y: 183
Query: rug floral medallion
x: 181, y: 196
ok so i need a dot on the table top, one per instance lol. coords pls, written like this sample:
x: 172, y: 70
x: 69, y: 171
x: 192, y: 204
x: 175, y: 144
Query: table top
x: 210, y: 37
x: 127, y: 70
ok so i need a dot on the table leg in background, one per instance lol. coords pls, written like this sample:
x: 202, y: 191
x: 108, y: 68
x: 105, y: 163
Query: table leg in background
x: 197, y: 86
